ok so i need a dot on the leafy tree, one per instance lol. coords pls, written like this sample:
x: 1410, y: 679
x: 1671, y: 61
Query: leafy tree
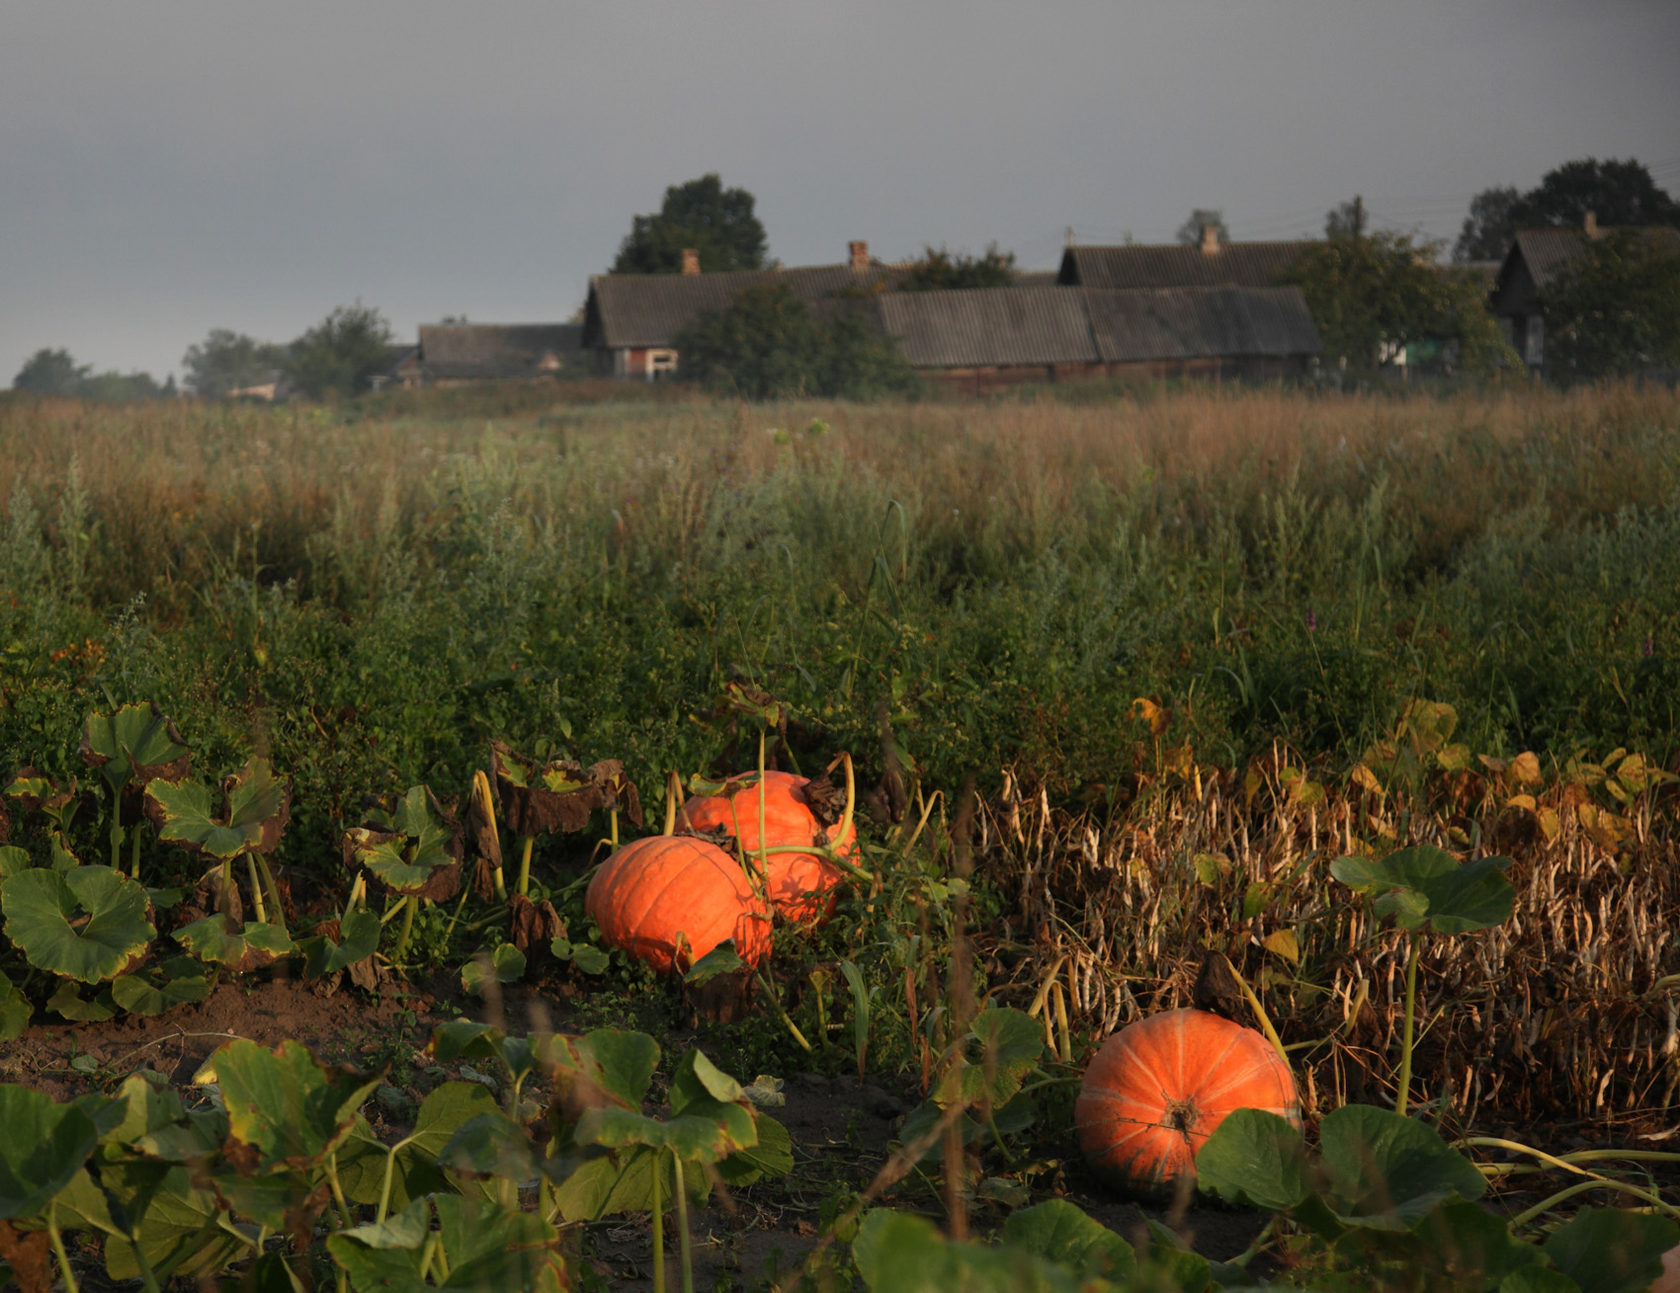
x: 1617, y: 193
x: 51, y: 372
x: 1190, y: 232
x: 1346, y: 220
x: 341, y: 353
x: 225, y: 361
x: 1616, y: 309
x: 1487, y: 230
x: 54, y: 372
x: 939, y: 269
x: 716, y: 222
x: 1373, y: 296
x: 767, y: 343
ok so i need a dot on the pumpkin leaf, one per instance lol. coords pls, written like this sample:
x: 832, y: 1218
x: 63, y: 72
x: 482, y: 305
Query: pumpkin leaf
x: 771, y: 1156
x: 256, y: 806
x: 45, y: 1145
x: 246, y: 947
x: 1609, y: 1250
x: 90, y: 923
x: 540, y: 799
x: 285, y: 1105
x: 413, y: 849
x: 1255, y: 1159
x: 1386, y: 1172
x: 358, y: 938
x: 1001, y: 1048
x: 490, y: 1144
x: 1426, y: 886
x: 607, y: 1065
x: 1058, y: 1231
x: 181, y: 982
x: 137, y: 743
x: 505, y: 965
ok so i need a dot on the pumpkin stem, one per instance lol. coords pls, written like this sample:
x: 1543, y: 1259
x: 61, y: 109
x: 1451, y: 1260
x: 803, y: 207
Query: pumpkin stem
x: 673, y: 802
x: 1182, y: 1117
x: 487, y: 810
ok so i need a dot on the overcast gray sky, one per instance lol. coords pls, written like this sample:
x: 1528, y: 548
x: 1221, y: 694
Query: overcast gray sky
x: 168, y: 167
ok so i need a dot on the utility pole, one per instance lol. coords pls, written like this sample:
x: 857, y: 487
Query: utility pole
x: 1358, y: 217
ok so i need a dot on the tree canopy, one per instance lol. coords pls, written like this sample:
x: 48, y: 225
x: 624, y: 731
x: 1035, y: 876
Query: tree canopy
x: 939, y: 270
x: 1190, y: 232
x: 701, y: 215
x: 1373, y: 296
x: 1617, y: 193
x: 768, y: 343
x: 226, y: 361
x: 54, y: 372
x: 51, y: 372
x: 340, y: 354
x: 1616, y: 309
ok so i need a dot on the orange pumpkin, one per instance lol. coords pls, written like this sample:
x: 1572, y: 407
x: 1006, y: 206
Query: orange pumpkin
x: 650, y: 891
x: 1155, y: 1091
x: 802, y: 886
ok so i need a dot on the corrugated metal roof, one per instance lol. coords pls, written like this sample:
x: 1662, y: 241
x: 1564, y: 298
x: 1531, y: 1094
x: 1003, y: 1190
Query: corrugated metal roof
x: 985, y: 326
x: 1202, y: 323
x: 496, y: 349
x: 1008, y: 326
x: 627, y: 310
x: 1238, y: 264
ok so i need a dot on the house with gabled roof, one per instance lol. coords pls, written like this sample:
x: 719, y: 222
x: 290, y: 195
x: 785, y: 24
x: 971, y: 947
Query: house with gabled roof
x: 450, y: 354
x: 631, y: 321
x: 1207, y: 263
x: 1536, y: 260
x: 988, y: 337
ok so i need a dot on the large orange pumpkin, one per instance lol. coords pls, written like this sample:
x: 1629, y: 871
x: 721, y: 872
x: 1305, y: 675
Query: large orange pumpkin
x: 1155, y: 1091
x: 650, y: 891
x: 801, y: 885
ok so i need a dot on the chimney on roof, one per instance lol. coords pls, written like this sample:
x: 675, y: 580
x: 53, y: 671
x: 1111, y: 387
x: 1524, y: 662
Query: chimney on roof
x: 690, y: 261
x: 1589, y: 226
x: 858, y: 254
x: 1210, y: 239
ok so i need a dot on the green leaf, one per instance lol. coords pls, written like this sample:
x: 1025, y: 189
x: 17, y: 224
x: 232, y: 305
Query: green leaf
x: 722, y: 959
x: 1607, y: 1250
x: 254, y: 945
x: 13, y: 860
x: 491, y: 1247
x: 286, y: 1105
x: 771, y: 1156
x: 505, y: 965
x: 1425, y: 885
x: 138, y: 742
x: 698, y: 1078
x: 1058, y: 1231
x: 415, y: 1171
x: 140, y: 995
x: 413, y: 850
x: 358, y: 939
x: 256, y: 807
x: 1386, y: 1171
x: 490, y: 1144
x: 45, y: 1144
x: 589, y: 958
x: 606, y: 1066
x: 179, y: 1228
x: 1001, y: 1048
x: 1255, y: 1159
x: 89, y: 924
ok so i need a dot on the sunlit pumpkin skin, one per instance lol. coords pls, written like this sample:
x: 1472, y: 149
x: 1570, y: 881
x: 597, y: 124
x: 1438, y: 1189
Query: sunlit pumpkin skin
x: 653, y: 889
x: 802, y: 886
x: 1154, y: 1092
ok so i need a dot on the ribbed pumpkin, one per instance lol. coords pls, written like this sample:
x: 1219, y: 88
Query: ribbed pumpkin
x: 1155, y: 1091
x: 801, y: 885
x: 649, y: 891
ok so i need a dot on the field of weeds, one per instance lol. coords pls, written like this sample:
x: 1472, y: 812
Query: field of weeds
x: 1122, y: 682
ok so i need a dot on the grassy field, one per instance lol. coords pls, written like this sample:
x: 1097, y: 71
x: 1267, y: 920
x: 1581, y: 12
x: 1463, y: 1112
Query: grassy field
x: 1186, y: 649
